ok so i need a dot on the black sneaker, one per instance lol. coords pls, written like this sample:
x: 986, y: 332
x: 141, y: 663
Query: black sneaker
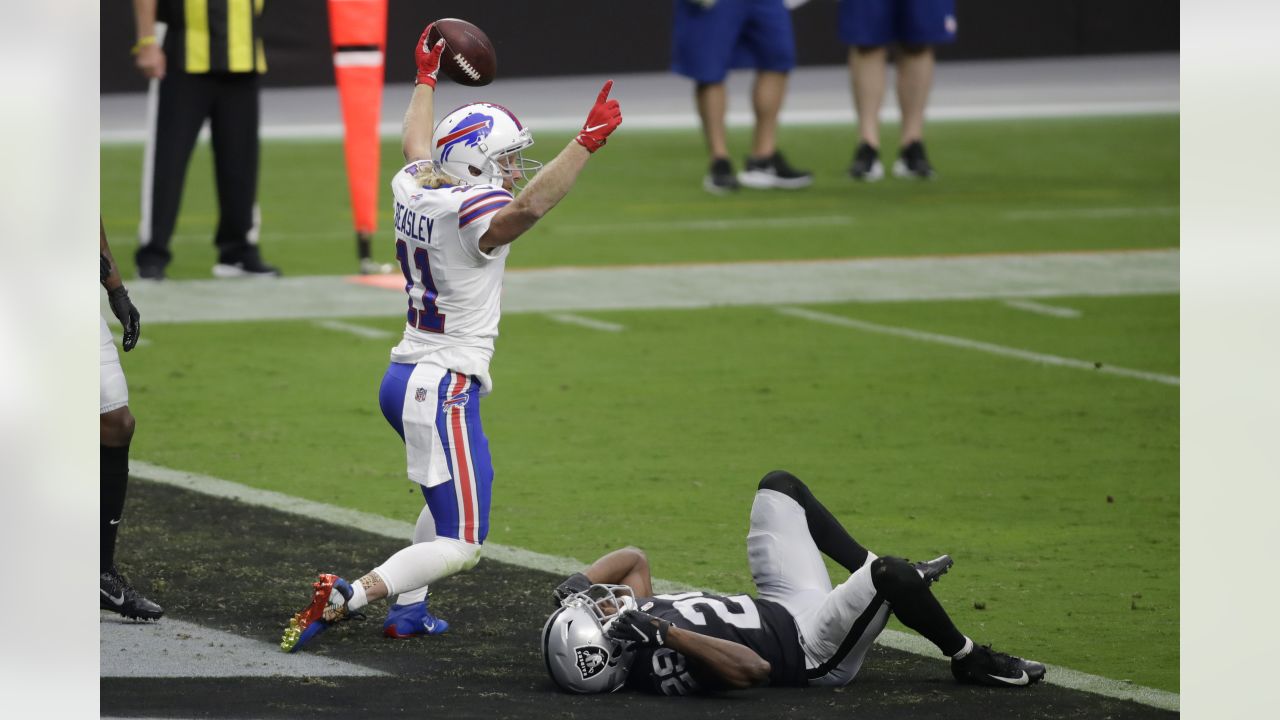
x: 866, y: 164
x: 933, y: 569
x: 119, y: 597
x: 913, y: 163
x: 150, y: 272
x: 773, y: 172
x: 984, y: 666
x: 249, y: 267
x: 720, y: 179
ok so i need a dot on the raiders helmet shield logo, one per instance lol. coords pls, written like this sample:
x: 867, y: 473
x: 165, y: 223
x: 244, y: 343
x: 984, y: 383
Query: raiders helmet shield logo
x: 591, y: 660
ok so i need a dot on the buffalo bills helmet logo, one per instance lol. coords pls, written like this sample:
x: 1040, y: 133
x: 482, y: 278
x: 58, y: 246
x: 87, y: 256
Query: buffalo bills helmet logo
x: 592, y: 660
x: 472, y: 131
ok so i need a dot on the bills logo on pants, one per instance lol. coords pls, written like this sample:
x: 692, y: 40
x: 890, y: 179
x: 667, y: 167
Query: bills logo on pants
x: 447, y: 451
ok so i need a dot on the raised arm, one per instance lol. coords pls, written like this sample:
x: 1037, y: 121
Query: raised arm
x: 552, y: 183
x: 723, y: 662
x: 419, y: 119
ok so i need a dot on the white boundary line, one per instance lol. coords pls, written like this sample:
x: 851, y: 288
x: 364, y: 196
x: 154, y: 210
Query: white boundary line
x: 1089, y: 213
x: 1042, y: 309
x: 586, y: 322
x: 400, y: 530
x: 361, y: 331
x: 967, y: 344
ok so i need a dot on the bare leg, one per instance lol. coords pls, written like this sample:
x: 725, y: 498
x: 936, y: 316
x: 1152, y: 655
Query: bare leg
x: 766, y: 101
x: 712, y: 103
x: 915, y: 77
x: 867, y: 69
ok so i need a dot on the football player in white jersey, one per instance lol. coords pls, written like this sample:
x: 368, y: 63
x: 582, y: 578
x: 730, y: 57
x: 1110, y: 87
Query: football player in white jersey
x: 456, y: 214
x: 116, y: 424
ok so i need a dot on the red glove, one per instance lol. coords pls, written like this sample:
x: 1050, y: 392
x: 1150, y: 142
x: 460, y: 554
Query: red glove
x: 604, y: 118
x: 428, y: 58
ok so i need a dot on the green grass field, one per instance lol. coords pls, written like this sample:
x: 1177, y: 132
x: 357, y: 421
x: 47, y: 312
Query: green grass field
x: 1056, y: 490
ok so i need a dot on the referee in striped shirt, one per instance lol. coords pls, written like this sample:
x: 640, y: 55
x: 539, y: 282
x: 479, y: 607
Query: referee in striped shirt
x: 206, y: 56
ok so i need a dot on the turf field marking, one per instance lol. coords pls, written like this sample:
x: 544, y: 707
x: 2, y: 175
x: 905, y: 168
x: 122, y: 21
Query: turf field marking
x: 968, y: 344
x: 1042, y: 309
x: 709, y: 224
x: 650, y: 287
x: 586, y: 322
x: 399, y: 530
x: 1089, y: 213
x: 352, y: 329
x: 174, y: 648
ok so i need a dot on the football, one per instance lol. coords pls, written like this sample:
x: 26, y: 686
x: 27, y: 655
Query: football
x: 468, y: 57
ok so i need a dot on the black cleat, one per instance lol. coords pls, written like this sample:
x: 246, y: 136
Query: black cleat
x: 866, y: 164
x: 150, y: 272
x: 251, y: 265
x: 120, y: 597
x: 933, y: 569
x: 984, y: 666
x: 720, y: 179
x: 913, y: 163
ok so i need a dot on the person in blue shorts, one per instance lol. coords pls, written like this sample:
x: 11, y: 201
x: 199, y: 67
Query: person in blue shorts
x: 868, y: 27
x: 711, y: 37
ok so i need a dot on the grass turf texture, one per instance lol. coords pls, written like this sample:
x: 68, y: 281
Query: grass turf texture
x: 639, y: 200
x: 656, y: 436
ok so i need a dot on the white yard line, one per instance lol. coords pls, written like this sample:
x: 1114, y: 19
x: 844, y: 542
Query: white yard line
x: 708, y: 224
x: 1042, y: 309
x: 361, y: 331
x: 400, y: 530
x: 173, y: 648
x: 1001, y: 350
x: 586, y: 322
x: 1089, y: 213
x: 701, y: 285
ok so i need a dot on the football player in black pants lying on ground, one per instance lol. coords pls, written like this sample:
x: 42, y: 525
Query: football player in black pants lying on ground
x: 609, y: 630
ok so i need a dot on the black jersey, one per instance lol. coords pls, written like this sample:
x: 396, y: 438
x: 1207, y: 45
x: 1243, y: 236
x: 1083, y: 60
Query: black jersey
x: 761, y: 625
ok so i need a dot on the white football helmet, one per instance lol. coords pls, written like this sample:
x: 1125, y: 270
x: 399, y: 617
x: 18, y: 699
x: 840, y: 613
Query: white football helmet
x: 580, y: 657
x: 481, y: 144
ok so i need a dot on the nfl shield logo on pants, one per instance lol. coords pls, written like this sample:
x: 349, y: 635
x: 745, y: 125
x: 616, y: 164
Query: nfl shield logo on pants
x: 420, y: 395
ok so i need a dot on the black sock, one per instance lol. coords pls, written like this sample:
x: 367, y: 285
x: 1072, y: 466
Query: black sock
x: 912, y: 603
x: 114, y: 482
x: 828, y: 534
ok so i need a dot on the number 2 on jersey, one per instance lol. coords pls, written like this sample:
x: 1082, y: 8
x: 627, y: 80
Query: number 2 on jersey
x: 429, y: 318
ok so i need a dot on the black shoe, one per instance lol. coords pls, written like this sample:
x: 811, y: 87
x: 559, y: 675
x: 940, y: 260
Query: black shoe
x: 866, y: 164
x: 150, y: 272
x: 984, y: 666
x: 249, y: 267
x: 913, y: 163
x: 119, y: 597
x: 773, y: 172
x: 933, y: 569
x: 720, y: 178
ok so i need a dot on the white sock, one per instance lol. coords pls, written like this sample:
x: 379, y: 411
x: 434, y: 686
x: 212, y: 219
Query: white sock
x: 411, y: 597
x: 358, y: 597
x: 968, y: 646
x: 426, y: 562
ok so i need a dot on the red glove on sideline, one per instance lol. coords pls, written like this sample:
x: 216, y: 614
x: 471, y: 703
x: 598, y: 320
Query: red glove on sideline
x: 604, y: 118
x: 428, y: 58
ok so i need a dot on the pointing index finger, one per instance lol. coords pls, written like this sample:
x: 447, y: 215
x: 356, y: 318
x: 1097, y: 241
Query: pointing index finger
x: 604, y: 91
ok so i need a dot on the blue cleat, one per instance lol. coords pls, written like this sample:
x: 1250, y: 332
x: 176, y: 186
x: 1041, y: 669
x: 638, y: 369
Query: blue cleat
x: 412, y: 620
x: 328, y: 606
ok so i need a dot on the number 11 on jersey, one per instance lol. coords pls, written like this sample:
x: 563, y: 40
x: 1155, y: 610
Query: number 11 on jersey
x: 429, y: 318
